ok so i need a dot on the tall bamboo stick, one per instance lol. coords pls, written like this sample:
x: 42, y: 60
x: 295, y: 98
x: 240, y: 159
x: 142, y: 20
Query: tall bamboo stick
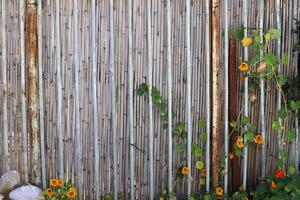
x: 151, y: 137
x: 207, y: 92
x: 77, y: 129
x: 33, y: 98
x: 23, y: 90
x: 4, y: 103
x: 262, y: 96
x: 278, y: 54
x: 216, y: 114
x: 130, y: 101
x: 296, y: 53
x: 41, y: 105
x: 113, y: 99
x: 94, y: 100
x: 169, y: 65
x: 245, y: 23
x: 188, y: 91
x: 59, y: 94
x: 226, y: 96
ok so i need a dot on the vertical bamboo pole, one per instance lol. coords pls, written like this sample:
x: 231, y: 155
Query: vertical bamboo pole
x: 41, y: 105
x: 151, y: 137
x: 262, y: 96
x: 94, y: 100
x: 23, y: 89
x: 78, y: 142
x: 216, y: 117
x: 169, y: 66
x: 245, y: 23
x: 33, y: 98
x: 207, y: 91
x: 59, y: 94
x: 113, y: 98
x: 226, y: 96
x: 278, y: 53
x: 188, y: 91
x: 6, y: 159
x: 130, y: 101
x: 296, y: 53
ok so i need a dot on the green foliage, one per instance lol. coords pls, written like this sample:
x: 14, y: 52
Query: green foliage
x: 274, y: 33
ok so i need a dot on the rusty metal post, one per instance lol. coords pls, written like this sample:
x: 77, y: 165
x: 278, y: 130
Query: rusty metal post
x: 33, y: 98
x: 216, y: 117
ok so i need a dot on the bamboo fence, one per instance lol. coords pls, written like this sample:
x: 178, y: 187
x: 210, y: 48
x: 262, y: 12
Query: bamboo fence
x: 96, y: 131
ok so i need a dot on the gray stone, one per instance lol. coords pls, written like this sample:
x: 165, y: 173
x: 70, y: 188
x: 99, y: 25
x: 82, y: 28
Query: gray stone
x: 8, y: 181
x: 27, y: 192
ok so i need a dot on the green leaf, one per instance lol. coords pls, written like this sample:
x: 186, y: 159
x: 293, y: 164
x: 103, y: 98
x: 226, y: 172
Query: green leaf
x: 165, y: 126
x: 202, y: 136
x: 295, y: 105
x: 290, y: 135
x: 283, y: 153
x: 282, y: 113
x: 281, y: 79
x: 198, y: 152
x: 274, y: 33
x: 164, y: 192
x: 270, y: 59
x: 279, y: 163
x: 199, y: 165
x: 249, y: 136
x: 276, y: 126
x: 238, y: 152
x: 194, y: 147
x: 183, y: 135
x: 245, y: 120
x: 142, y: 89
x: 201, y: 123
x: 179, y: 148
x: 180, y: 126
x: 285, y: 59
x: 291, y: 170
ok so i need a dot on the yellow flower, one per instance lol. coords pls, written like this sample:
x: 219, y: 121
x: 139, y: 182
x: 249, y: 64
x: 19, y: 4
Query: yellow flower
x: 53, y: 182
x: 259, y: 139
x: 219, y: 191
x: 267, y: 37
x: 72, y: 193
x: 245, y: 198
x: 185, y: 171
x: 247, y: 41
x: 244, y: 66
x: 60, y: 183
x: 240, y: 142
x: 49, y: 192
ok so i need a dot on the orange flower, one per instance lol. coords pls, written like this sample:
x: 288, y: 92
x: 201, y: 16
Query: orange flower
x: 261, y: 67
x: 231, y: 156
x: 240, y: 142
x: 72, y: 193
x: 60, y: 183
x: 279, y: 173
x: 49, y: 192
x: 259, y: 139
x: 219, y: 191
x: 241, y: 188
x: 53, y: 182
x: 242, y: 78
x: 203, y: 172
x: 273, y: 185
x: 243, y: 67
x: 185, y: 171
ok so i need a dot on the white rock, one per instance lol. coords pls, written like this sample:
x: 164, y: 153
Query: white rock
x: 8, y: 181
x: 27, y: 192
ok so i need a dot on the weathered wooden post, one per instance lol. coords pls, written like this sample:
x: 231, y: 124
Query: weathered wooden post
x: 33, y: 98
